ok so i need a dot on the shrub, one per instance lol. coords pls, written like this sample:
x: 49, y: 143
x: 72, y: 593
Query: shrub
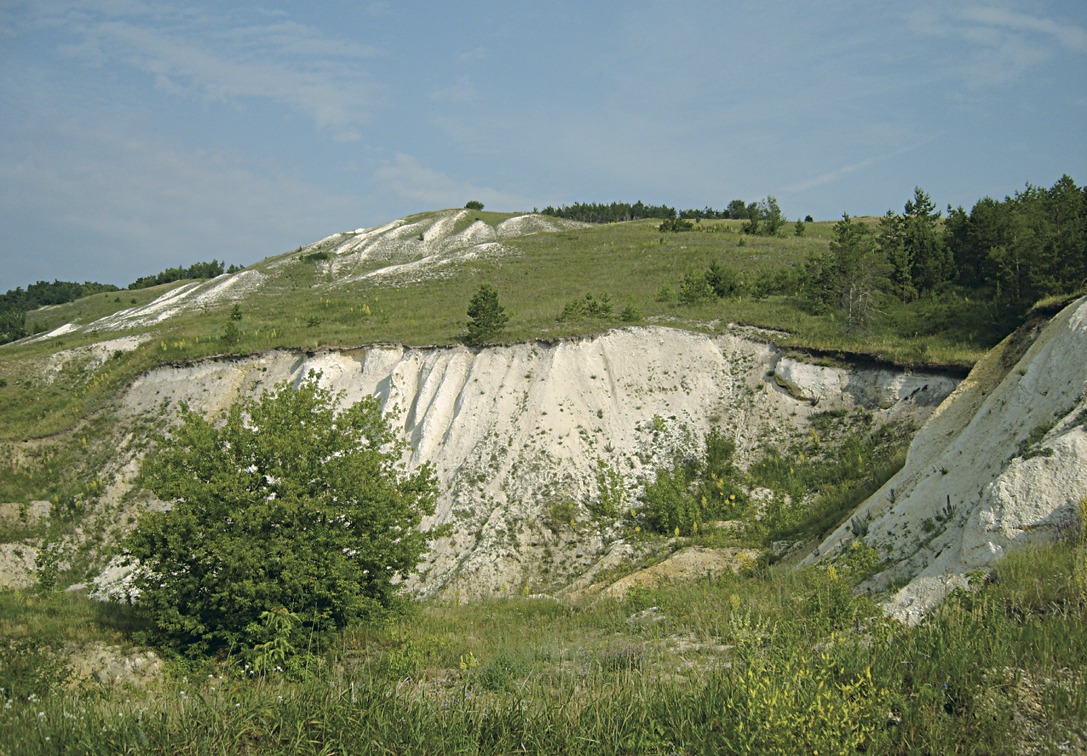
x: 695, y: 289
x: 289, y: 505
x: 473, y: 205
x: 722, y: 280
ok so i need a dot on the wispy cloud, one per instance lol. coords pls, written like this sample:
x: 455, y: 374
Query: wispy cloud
x: 1069, y: 35
x: 476, y: 53
x: 408, y: 178
x: 995, y: 45
x: 462, y: 91
x: 217, y: 59
x: 841, y: 172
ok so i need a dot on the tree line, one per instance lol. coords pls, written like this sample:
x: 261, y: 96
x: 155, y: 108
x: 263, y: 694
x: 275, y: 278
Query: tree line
x: 196, y: 270
x: 616, y: 212
x: 15, y: 303
x: 1012, y: 252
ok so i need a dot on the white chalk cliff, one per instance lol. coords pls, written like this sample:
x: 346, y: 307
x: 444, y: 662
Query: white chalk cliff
x: 519, y: 434
x: 1001, y: 463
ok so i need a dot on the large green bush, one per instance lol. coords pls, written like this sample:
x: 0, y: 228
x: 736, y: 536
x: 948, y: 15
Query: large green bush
x: 289, y: 505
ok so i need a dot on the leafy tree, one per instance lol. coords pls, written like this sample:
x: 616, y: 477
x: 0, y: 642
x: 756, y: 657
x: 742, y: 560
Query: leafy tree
x: 737, y: 209
x: 751, y: 226
x: 288, y: 505
x: 487, y: 318
x: 799, y: 228
x: 893, y: 247
x: 764, y: 217
x: 196, y: 270
x: 775, y: 221
x: 12, y: 325
x: 473, y: 205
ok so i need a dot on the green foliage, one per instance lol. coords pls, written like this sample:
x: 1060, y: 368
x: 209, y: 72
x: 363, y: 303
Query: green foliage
x: 15, y: 303
x: 1023, y: 248
x: 845, y: 280
x: 723, y: 281
x: 751, y: 663
x: 473, y: 205
x: 196, y: 270
x: 685, y: 497
x: 275, y: 652
x: 32, y: 669
x: 611, y: 494
x: 289, y: 504
x: 561, y: 513
x: 764, y: 218
x: 588, y: 307
x: 675, y: 225
x: 487, y: 318
x: 595, y: 212
x: 232, y: 332
x: 695, y: 289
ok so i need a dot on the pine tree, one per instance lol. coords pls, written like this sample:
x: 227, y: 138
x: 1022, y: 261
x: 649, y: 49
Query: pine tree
x: 487, y: 318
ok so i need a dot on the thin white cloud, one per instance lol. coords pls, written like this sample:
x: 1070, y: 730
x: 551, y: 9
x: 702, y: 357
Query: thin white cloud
x: 994, y: 46
x: 462, y: 91
x: 841, y: 172
x: 1069, y: 35
x: 477, y: 53
x: 212, y: 58
x: 408, y: 178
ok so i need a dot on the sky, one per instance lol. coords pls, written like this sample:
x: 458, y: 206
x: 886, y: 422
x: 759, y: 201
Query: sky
x: 136, y: 136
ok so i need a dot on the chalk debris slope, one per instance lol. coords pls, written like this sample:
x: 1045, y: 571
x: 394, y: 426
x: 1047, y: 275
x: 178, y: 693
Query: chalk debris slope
x: 1000, y: 464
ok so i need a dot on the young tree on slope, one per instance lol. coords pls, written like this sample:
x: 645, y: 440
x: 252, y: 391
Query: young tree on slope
x: 487, y: 318
x: 289, y: 506
x: 845, y: 279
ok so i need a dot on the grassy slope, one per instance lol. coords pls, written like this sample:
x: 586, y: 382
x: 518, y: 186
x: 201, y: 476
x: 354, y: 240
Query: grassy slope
x: 786, y: 653
x: 630, y: 262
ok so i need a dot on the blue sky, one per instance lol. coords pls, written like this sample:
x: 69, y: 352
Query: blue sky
x: 140, y: 135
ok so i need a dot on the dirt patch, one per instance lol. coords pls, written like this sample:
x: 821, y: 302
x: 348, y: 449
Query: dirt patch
x: 693, y: 563
x: 113, y: 666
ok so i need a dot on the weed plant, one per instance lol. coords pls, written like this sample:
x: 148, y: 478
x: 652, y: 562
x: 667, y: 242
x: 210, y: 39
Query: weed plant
x: 770, y: 661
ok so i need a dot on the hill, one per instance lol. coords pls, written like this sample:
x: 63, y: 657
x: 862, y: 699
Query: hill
x: 692, y: 436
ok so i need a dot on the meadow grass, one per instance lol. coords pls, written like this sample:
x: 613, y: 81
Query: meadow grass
x: 536, y: 277
x: 632, y: 263
x: 769, y: 661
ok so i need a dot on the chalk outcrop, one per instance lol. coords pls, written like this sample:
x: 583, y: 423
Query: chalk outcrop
x: 1001, y: 463
x: 522, y: 437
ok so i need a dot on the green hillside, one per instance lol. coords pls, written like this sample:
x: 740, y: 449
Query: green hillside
x: 769, y: 658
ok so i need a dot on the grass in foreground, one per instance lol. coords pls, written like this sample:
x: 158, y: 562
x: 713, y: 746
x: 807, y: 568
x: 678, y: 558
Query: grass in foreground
x: 774, y: 661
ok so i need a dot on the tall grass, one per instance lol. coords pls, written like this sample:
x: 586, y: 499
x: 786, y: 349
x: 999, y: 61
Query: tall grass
x: 772, y: 661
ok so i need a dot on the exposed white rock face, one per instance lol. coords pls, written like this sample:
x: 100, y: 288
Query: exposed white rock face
x: 871, y: 388
x: 1001, y: 463
x: 518, y: 434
